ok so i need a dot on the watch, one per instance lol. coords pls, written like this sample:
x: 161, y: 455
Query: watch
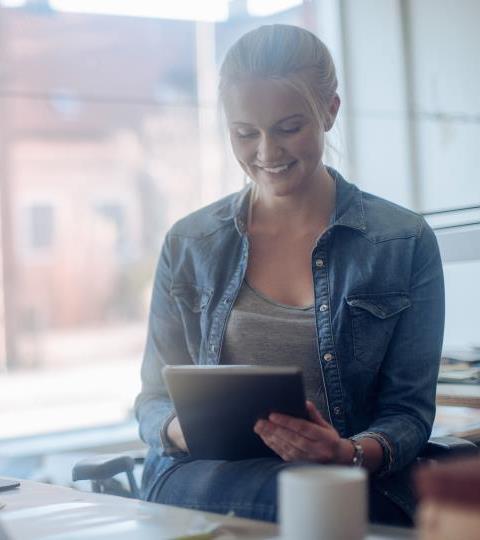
x: 358, y: 454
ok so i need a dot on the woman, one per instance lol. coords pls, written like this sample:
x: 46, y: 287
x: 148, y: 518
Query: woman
x: 299, y: 267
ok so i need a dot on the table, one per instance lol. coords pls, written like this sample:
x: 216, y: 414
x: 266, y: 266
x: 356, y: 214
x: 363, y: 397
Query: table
x: 45, y: 512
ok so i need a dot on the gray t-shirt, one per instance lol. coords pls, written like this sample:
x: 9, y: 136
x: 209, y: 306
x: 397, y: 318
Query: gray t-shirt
x: 263, y: 332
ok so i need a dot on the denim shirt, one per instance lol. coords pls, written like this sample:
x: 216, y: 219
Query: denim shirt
x: 379, y: 307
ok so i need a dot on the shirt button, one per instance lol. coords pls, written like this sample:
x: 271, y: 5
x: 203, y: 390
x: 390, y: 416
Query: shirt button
x: 327, y: 357
x: 319, y: 263
x: 212, y: 348
x: 323, y: 307
x: 337, y: 411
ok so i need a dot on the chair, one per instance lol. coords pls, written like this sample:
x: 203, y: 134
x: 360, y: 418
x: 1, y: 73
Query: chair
x: 100, y: 470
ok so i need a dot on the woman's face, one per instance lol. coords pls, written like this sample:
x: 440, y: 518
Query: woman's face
x: 274, y: 136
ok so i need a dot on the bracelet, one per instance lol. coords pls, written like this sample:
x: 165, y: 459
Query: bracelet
x: 358, y: 454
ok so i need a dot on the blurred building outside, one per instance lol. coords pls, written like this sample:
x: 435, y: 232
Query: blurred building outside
x: 109, y: 133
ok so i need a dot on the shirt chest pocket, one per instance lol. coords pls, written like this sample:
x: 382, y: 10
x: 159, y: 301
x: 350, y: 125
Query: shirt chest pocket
x: 373, y: 320
x: 192, y: 302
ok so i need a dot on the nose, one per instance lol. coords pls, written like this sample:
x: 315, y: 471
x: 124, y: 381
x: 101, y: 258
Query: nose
x: 268, y: 149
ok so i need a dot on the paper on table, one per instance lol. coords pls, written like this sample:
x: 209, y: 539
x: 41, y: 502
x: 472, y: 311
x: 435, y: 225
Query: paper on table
x: 465, y: 354
x: 82, y: 520
x: 201, y: 525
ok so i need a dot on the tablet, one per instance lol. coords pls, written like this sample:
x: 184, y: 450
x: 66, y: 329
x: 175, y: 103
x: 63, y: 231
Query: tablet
x: 217, y: 406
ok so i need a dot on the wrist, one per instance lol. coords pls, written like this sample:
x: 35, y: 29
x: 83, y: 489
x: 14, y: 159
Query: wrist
x: 358, y: 454
x: 346, y: 452
x: 171, y: 432
x: 175, y: 436
x: 167, y: 435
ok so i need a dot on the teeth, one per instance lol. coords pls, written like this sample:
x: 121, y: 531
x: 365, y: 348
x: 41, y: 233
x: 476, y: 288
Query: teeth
x: 276, y: 169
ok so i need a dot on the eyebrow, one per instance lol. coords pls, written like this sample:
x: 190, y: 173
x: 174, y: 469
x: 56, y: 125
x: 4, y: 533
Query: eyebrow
x: 292, y: 116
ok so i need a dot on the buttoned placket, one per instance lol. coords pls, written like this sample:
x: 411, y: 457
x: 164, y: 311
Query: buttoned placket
x: 327, y: 356
x: 224, y: 308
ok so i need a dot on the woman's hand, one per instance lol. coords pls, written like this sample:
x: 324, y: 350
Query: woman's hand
x: 175, y: 434
x: 295, y: 439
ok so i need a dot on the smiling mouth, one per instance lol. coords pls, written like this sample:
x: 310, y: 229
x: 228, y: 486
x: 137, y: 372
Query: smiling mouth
x: 278, y: 169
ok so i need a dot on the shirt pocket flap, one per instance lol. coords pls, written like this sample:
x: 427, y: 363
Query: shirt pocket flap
x: 383, y: 305
x: 193, y: 296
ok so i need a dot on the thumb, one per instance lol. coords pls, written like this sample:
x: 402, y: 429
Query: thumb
x: 315, y: 415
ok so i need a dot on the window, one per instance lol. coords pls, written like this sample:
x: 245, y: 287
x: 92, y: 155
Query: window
x: 104, y: 146
x: 458, y: 234
x: 40, y: 226
x: 114, y: 214
x: 109, y: 135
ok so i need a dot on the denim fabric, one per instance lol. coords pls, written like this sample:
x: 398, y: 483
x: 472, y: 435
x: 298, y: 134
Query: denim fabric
x: 379, y: 307
x: 247, y: 488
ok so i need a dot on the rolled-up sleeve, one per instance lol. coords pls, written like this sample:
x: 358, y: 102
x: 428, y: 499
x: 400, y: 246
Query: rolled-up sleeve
x: 165, y: 345
x: 405, y: 405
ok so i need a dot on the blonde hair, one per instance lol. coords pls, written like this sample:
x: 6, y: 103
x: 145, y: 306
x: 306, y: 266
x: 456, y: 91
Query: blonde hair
x: 287, y: 53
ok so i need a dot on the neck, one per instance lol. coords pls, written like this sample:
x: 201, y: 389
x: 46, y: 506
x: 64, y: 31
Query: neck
x: 305, y: 210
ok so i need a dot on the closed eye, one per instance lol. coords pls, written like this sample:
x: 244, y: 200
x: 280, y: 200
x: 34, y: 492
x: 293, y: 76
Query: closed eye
x: 245, y: 134
x: 288, y: 130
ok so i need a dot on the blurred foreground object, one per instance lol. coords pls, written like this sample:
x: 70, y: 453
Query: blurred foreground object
x: 450, y: 500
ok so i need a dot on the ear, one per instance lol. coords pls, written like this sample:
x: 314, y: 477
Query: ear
x: 332, y: 112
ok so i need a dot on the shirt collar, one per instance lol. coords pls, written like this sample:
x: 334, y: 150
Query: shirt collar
x: 349, y: 211
x: 236, y: 209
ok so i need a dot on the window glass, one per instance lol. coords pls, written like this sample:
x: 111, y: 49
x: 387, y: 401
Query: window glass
x: 447, y: 102
x: 110, y: 134
x: 103, y: 147
x: 40, y: 224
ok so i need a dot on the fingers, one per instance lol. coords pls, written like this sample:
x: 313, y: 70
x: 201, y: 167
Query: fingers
x: 312, y: 429
x: 292, y: 446
x: 286, y: 449
x: 282, y: 436
x: 315, y: 415
x: 288, y: 452
x: 295, y: 449
x: 298, y: 439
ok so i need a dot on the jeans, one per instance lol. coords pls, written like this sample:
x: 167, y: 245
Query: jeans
x: 248, y: 488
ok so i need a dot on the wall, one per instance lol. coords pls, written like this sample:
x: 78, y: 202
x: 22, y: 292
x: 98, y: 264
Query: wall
x: 411, y: 99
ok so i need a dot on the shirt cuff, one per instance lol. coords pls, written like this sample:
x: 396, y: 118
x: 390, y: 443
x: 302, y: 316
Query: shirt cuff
x: 387, y: 448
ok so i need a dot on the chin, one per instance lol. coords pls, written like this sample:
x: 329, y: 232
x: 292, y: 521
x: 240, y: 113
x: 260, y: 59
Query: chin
x: 283, y: 189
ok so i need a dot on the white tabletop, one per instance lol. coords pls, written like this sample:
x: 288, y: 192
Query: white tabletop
x: 45, y: 512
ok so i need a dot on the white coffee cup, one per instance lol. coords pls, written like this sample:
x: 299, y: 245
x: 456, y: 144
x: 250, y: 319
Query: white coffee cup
x: 323, y: 503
